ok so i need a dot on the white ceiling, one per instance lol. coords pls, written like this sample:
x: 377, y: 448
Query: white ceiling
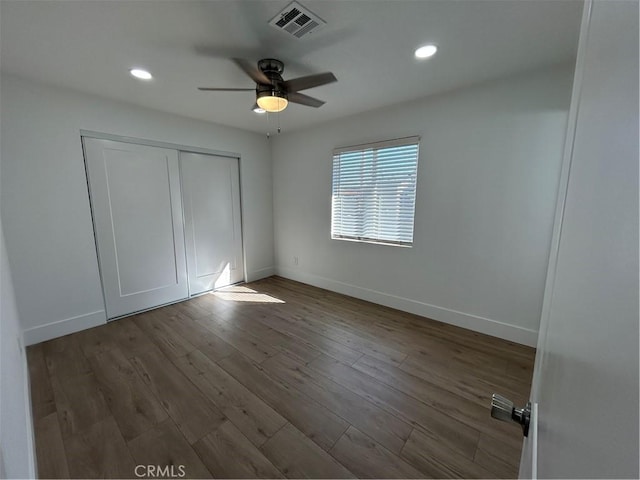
x: 368, y: 44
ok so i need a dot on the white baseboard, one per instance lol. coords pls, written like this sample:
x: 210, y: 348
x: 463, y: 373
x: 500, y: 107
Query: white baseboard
x: 260, y: 273
x: 64, y: 327
x: 476, y: 323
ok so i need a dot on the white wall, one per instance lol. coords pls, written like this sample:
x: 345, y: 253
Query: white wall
x: 16, y: 444
x: 488, y: 175
x: 45, y: 205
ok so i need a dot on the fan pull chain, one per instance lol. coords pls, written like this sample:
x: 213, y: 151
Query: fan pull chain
x: 279, y: 130
x: 268, y: 126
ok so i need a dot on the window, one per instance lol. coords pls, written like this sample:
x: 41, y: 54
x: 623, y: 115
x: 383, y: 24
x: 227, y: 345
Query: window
x: 374, y: 192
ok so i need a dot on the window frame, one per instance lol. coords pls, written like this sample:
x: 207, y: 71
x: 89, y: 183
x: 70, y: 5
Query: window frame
x: 374, y: 148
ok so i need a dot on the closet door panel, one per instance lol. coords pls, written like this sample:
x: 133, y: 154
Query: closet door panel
x: 210, y: 186
x: 136, y: 205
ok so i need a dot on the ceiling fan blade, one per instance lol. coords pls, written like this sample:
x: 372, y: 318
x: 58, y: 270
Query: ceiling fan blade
x: 213, y: 89
x: 303, y: 99
x: 310, y: 81
x: 252, y: 70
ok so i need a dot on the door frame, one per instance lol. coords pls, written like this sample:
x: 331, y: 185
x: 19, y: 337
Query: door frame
x: 172, y: 146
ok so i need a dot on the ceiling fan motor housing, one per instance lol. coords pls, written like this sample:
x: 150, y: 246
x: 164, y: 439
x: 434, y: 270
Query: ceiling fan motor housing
x: 273, y: 69
x: 274, y: 90
x: 271, y: 65
x: 267, y: 95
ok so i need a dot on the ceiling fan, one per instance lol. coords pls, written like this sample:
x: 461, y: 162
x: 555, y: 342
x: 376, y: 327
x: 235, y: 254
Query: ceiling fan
x: 273, y: 93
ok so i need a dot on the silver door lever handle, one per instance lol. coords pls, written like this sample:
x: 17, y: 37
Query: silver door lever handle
x: 503, y: 409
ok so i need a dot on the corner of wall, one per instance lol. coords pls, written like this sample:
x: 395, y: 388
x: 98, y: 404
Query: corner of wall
x: 260, y: 273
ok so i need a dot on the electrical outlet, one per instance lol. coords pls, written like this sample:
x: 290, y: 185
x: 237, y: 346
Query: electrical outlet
x: 295, y: 260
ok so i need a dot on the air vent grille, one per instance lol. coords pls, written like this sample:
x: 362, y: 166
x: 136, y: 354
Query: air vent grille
x: 296, y: 20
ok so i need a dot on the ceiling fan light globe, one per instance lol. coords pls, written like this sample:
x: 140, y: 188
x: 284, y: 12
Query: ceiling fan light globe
x: 271, y: 103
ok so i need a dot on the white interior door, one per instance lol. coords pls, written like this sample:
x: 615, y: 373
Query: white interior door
x: 213, y: 234
x: 137, y: 213
x: 585, y: 381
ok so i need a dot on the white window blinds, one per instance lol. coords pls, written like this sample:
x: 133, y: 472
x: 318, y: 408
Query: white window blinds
x: 374, y: 192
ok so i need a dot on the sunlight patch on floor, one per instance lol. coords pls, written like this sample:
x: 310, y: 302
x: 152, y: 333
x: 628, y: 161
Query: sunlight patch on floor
x: 236, y: 293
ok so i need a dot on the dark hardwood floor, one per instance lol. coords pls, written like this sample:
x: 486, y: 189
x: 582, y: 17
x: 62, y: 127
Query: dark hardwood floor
x: 276, y: 379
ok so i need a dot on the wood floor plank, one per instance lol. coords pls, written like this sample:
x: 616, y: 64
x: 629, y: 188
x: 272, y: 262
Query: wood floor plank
x: 190, y: 309
x: 467, y: 386
x: 228, y: 454
x: 99, y: 452
x: 216, y: 349
x: 165, y: 338
x: 276, y: 339
x: 254, y: 418
x: 298, y: 457
x: 192, y: 412
x: 385, y: 428
x: 477, y: 388
x: 368, y: 459
x: 317, y: 422
x: 128, y: 337
x: 79, y: 402
x: 164, y: 446
x: 52, y: 459
x: 441, y: 399
x: 321, y: 322
x: 195, y: 333
x: 435, y: 460
x: 520, y: 370
x: 122, y: 333
x: 64, y: 357
x: 247, y: 343
x: 223, y: 309
x: 320, y: 342
x: 210, y: 303
x: 481, y: 366
x: 451, y: 432
x: 501, y: 459
x: 359, y: 328
x: 95, y: 340
x: 131, y: 402
x: 298, y: 348
x: 42, y: 400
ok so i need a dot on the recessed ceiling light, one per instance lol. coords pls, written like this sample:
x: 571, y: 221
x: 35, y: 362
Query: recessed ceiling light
x: 141, y: 74
x: 259, y: 110
x: 426, y: 51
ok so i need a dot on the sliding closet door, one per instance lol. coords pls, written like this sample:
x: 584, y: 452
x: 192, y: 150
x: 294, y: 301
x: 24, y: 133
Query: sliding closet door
x: 211, y: 193
x: 137, y: 212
